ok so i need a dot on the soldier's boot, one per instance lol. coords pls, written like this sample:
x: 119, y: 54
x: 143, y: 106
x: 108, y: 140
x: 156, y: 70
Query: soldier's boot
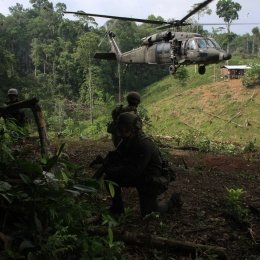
x: 175, y: 201
x: 148, y: 204
x: 167, y: 206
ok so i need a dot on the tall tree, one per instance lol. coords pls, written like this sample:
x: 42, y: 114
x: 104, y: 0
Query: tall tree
x: 256, y: 40
x: 228, y: 10
x: 86, y: 47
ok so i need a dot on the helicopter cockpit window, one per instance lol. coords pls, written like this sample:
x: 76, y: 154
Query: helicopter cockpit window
x: 191, y: 45
x: 215, y: 44
x: 210, y: 43
x: 202, y: 43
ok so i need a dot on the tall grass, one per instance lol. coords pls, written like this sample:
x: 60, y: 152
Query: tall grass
x: 203, y: 105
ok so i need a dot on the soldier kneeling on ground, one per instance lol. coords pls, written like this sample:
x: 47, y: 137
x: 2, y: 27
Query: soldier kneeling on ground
x: 137, y: 162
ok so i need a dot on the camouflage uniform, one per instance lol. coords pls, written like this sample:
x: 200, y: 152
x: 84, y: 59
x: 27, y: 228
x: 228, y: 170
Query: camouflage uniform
x: 133, y: 99
x: 140, y: 166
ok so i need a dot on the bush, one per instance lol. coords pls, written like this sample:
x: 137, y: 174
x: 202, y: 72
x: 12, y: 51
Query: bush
x: 235, y: 206
x: 194, y: 139
x: 250, y: 147
x: 182, y: 75
x: 252, y: 76
x: 44, y: 204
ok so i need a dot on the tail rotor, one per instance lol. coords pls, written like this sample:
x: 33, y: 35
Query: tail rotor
x: 108, y: 31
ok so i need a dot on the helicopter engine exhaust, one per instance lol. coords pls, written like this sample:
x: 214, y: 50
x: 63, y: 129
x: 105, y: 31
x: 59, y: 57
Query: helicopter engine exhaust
x: 158, y: 37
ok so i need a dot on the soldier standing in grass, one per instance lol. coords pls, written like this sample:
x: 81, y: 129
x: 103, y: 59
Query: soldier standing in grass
x: 137, y: 163
x: 133, y: 100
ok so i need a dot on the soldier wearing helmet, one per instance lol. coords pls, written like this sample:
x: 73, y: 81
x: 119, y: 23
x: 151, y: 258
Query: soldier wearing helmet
x: 133, y: 99
x: 140, y: 166
x: 17, y: 116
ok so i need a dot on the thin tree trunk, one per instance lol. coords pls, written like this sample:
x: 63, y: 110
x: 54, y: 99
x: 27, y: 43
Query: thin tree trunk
x: 119, y: 82
x: 90, y: 94
x: 39, y: 119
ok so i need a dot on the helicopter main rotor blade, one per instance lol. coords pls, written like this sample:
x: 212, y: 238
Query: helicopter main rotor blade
x: 178, y: 23
x: 172, y: 24
x: 165, y: 24
x: 195, y: 10
x: 119, y: 18
x: 225, y: 24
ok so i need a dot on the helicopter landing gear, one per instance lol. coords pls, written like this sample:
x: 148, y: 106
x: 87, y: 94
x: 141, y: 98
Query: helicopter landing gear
x: 202, y: 69
x: 172, y: 69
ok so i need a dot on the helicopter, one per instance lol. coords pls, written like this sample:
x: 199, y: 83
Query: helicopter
x: 173, y: 48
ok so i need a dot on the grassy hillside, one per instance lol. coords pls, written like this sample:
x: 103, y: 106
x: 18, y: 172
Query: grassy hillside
x: 222, y: 111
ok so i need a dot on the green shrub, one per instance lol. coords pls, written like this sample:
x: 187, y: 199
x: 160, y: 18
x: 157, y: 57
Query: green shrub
x: 44, y: 204
x: 250, y: 147
x: 182, y: 75
x: 235, y: 206
x: 252, y: 76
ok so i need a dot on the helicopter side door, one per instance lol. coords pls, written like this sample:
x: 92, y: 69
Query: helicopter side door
x: 163, y: 53
x: 192, y: 50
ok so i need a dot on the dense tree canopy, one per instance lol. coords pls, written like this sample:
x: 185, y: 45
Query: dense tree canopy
x: 55, y: 53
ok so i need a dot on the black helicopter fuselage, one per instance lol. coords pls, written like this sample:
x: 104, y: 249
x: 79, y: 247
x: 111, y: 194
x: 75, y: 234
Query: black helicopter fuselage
x: 170, y: 48
x: 191, y: 48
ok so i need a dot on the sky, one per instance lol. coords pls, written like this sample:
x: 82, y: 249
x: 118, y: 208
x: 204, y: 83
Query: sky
x: 167, y: 9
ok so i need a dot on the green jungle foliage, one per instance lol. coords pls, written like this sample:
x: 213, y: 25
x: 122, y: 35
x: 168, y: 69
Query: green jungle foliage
x: 53, y: 56
x: 252, y: 77
x: 235, y: 206
x: 45, y: 204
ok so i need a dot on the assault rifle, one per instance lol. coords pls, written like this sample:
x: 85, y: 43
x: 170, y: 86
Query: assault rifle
x: 111, y: 158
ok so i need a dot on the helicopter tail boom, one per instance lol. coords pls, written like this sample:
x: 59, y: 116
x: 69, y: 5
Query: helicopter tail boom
x: 115, y: 53
x: 114, y: 47
x: 105, y: 55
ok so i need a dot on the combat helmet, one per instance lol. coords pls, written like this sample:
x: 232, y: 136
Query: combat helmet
x: 130, y: 121
x: 12, y: 91
x: 133, y: 98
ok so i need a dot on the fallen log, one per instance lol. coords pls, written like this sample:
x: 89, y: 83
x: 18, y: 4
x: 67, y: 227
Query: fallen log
x: 230, y: 120
x: 19, y: 105
x: 165, y: 137
x: 176, y: 246
x: 224, y: 119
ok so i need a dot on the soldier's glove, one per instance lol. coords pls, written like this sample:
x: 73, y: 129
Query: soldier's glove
x: 112, y: 158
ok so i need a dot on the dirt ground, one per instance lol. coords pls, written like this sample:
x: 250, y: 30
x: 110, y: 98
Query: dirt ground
x: 203, y: 180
